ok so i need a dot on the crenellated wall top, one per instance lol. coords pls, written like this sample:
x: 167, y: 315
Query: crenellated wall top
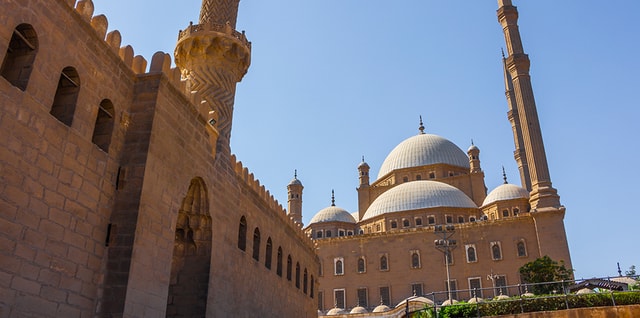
x: 249, y: 179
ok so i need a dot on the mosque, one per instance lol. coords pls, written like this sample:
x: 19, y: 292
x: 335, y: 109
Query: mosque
x: 120, y: 196
x: 426, y: 224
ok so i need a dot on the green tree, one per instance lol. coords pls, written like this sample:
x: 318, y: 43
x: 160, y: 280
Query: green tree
x: 631, y: 271
x: 545, y: 270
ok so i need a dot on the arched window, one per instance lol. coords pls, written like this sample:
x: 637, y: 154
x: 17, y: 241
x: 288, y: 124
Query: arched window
x: 298, y: 275
x: 495, y: 251
x: 431, y: 219
x: 64, y: 102
x: 279, y: 262
x: 471, y: 254
x: 339, y: 266
x: 405, y: 223
x: 328, y: 233
x: 305, y: 282
x: 516, y: 211
x: 394, y: 224
x: 319, y: 234
x: 242, y: 234
x: 18, y: 62
x: 415, y: 260
x: 522, y: 249
x: 256, y: 244
x: 361, y: 265
x: 289, y: 265
x: 268, y: 253
x: 384, y: 264
x: 104, y: 125
x: 312, y: 283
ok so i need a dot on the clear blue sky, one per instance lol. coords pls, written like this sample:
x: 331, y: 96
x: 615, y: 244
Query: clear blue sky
x: 334, y: 80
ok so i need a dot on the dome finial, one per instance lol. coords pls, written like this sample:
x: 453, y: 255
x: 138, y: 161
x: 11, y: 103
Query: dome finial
x: 421, y: 128
x: 295, y: 174
x: 333, y: 198
x: 504, y: 175
x: 472, y: 142
x: 363, y: 158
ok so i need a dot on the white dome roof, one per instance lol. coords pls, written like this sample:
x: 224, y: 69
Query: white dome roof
x: 422, y: 150
x: 358, y: 310
x: 336, y: 312
x: 295, y: 181
x: 381, y: 308
x: 506, y: 191
x: 332, y: 214
x: 418, y: 195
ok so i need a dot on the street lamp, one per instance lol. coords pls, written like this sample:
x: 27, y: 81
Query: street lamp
x: 446, y: 245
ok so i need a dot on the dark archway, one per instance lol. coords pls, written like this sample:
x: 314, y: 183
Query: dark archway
x: 189, y: 283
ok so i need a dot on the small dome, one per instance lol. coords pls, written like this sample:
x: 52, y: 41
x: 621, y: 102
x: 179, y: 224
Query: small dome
x: 332, y: 214
x: 475, y: 300
x: 420, y: 299
x: 502, y: 297
x: 418, y: 195
x: 422, y: 150
x: 336, y: 311
x: 506, y: 191
x: 381, y: 308
x: 358, y: 310
x: 363, y: 165
x: 472, y: 148
x: 295, y: 181
x: 447, y: 302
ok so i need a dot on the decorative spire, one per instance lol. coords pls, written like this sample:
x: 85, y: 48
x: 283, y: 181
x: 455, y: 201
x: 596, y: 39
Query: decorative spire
x: 504, y: 175
x: 363, y: 158
x: 421, y: 128
x: 295, y: 173
x: 472, y: 142
x: 333, y: 198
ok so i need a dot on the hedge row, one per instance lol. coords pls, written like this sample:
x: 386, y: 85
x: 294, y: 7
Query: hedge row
x: 516, y: 305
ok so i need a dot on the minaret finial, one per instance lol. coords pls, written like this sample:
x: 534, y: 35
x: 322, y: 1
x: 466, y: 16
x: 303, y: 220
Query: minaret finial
x: 363, y: 158
x: 295, y: 174
x: 333, y: 198
x: 502, y: 49
x: 504, y: 175
x: 472, y: 142
x: 421, y: 128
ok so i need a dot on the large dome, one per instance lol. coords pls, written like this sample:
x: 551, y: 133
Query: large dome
x: 422, y: 150
x: 332, y: 214
x: 506, y: 191
x: 418, y: 195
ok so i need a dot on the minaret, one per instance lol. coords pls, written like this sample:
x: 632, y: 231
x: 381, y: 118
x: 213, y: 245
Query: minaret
x: 474, y: 158
x: 213, y: 57
x: 543, y: 195
x: 519, y: 154
x: 294, y: 190
x: 363, y: 188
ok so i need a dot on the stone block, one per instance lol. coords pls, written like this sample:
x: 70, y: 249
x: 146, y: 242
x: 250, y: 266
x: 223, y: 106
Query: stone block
x: 24, y: 285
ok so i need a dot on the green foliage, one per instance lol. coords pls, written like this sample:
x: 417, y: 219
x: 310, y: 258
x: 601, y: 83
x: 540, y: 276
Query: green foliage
x: 544, y: 270
x: 631, y: 271
x: 459, y: 310
x: 516, y: 305
x: 426, y: 312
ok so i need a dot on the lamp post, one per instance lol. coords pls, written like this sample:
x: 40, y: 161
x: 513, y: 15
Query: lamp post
x: 446, y: 245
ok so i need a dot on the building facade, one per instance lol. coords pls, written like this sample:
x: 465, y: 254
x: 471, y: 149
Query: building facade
x: 120, y: 196
x: 428, y: 194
